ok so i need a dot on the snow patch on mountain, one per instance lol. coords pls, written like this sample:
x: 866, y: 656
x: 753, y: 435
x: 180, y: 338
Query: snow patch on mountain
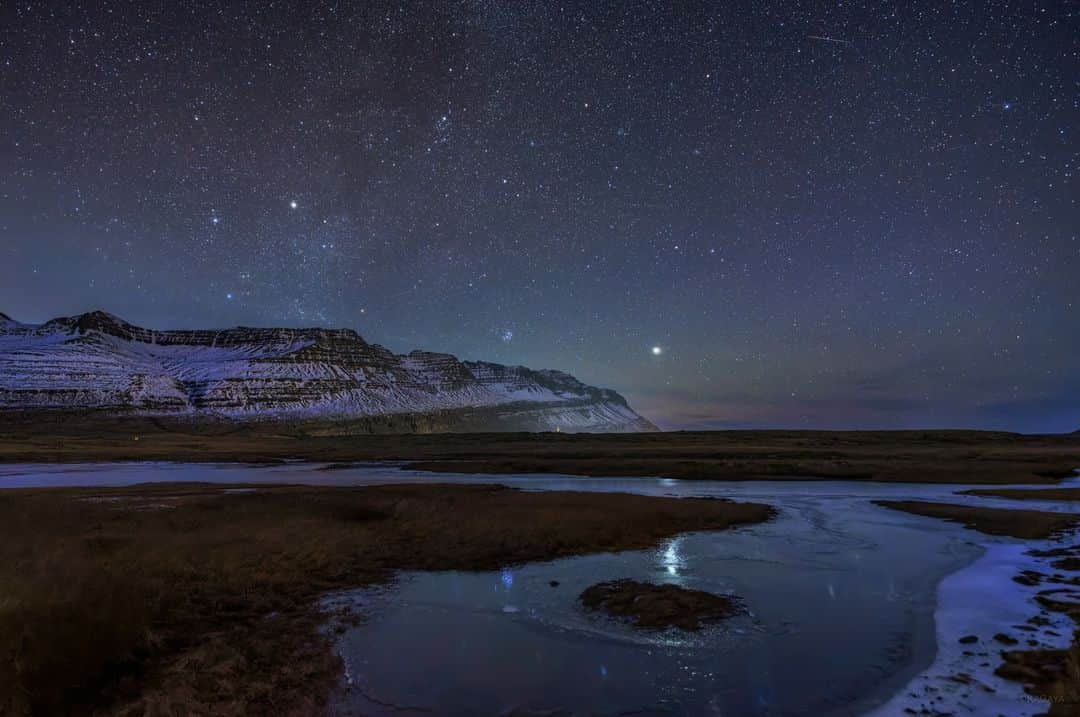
x: 99, y: 361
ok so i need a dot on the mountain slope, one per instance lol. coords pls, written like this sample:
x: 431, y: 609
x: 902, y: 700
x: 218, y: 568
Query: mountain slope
x: 98, y: 361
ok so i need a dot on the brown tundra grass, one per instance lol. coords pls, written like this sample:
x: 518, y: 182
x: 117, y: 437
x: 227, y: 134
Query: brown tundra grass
x: 193, y: 599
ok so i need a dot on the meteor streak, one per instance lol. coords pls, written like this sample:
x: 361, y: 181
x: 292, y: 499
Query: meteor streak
x: 830, y: 39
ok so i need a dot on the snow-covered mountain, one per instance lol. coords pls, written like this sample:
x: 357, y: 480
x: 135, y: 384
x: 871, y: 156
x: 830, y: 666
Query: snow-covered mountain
x: 98, y: 361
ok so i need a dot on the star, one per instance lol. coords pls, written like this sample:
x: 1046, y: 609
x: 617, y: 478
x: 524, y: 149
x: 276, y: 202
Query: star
x: 731, y: 221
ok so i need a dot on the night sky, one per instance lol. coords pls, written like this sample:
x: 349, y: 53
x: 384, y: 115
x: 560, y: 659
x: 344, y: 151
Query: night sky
x: 736, y: 214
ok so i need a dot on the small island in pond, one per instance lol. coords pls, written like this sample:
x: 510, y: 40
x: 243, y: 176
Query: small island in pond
x: 658, y: 606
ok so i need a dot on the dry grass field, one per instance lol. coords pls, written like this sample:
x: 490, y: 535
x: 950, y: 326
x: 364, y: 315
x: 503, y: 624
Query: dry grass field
x: 1024, y: 524
x: 904, y: 456
x: 202, y: 599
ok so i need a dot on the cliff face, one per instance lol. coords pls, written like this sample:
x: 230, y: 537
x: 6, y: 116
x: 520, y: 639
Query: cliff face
x: 98, y: 361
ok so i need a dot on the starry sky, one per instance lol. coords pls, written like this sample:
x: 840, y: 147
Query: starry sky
x: 738, y: 214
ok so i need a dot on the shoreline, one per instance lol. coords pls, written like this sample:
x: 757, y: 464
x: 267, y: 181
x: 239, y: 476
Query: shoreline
x: 921, y: 643
x: 950, y: 680
x: 983, y: 600
x: 925, y: 652
x: 976, y: 597
x: 205, y: 597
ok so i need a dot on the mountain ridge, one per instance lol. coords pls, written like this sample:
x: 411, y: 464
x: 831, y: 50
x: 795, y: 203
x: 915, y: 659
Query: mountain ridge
x: 99, y: 361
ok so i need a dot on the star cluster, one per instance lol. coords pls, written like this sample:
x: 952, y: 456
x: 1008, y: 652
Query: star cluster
x: 737, y: 214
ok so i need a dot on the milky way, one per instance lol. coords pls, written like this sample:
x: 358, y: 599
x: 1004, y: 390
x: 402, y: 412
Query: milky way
x: 821, y: 214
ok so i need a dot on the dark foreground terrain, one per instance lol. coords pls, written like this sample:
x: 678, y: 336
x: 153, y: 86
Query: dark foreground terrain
x: 203, y: 599
x: 1025, y: 524
x: 895, y: 456
x: 1066, y: 494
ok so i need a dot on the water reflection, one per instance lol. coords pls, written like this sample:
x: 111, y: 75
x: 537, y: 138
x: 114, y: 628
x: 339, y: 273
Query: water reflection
x: 827, y: 572
x: 831, y: 570
x: 670, y: 557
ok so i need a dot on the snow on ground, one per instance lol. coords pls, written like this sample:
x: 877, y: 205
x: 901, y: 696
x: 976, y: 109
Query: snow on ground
x: 983, y: 600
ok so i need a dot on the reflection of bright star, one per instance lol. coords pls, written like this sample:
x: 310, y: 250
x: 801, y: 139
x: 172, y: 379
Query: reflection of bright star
x: 671, y: 558
x: 656, y: 350
x: 293, y: 204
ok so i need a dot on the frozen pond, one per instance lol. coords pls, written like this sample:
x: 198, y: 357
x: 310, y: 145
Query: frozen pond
x: 839, y: 604
x: 840, y: 598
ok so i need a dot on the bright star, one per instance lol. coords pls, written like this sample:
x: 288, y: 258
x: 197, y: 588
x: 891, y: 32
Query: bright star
x: 293, y: 204
x: 656, y: 350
